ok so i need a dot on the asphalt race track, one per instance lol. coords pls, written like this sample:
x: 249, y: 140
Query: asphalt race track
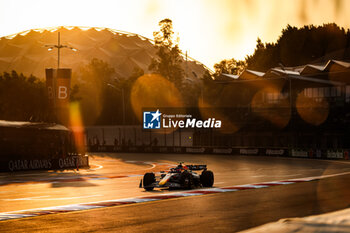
x: 117, y: 176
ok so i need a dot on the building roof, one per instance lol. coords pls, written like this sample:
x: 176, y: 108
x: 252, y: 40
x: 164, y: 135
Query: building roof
x: 231, y: 76
x: 308, y: 72
x: 312, y: 69
x: 316, y: 80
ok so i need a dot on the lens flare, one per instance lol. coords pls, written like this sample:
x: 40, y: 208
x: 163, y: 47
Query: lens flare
x: 154, y: 91
x: 312, y: 110
x: 228, y: 124
x: 77, y: 127
x: 273, y: 106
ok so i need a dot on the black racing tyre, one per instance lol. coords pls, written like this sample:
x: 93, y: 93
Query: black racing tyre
x: 207, y: 178
x: 186, y: 180
x: 148, y: 179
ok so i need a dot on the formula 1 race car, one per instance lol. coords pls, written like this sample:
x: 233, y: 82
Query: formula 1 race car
x: 182, y: 176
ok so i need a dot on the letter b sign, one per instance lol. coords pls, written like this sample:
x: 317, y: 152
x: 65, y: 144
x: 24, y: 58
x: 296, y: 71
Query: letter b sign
x: 62, y: 92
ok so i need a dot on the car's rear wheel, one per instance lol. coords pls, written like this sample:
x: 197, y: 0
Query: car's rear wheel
x: 207, y: 178
x: 148, y: 179
x: 186, y: 180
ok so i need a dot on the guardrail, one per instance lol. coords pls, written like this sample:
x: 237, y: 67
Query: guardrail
x: 285, y: 152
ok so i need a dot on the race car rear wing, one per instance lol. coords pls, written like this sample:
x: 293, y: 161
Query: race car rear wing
x: 196, y: 167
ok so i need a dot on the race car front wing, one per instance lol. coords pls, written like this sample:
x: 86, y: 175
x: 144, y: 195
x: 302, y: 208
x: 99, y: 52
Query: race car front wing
x: 156, y: 185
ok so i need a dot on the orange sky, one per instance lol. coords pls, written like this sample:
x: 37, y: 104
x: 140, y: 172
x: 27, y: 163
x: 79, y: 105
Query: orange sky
x: 210, y: 30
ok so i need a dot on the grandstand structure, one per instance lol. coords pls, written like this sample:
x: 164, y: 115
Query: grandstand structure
x: 305, y: 106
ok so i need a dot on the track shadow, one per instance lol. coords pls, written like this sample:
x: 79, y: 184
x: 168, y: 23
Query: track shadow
x: 61, y: 178
x: 72, y: 184
x: 153, y: 191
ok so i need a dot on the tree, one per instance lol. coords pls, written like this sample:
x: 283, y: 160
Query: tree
x: 230, y: 66
x: 124, y: 86
x: 74, y: 93
x: 168, y: 63
x: 299, y: 46
x: 23, y: 98
x: 94, y: 92
x: 97, y: 72
x: 103, y: 94
x: 265, y: 55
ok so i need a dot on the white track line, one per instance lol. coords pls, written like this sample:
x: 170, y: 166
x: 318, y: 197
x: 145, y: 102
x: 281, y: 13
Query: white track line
x: 98, y: 167
x: 45, y: 198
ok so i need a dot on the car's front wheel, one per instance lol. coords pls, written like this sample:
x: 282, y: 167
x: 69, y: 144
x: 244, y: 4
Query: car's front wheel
x: 186, y: 180
x: 148, y: 180
x: 207, y: 178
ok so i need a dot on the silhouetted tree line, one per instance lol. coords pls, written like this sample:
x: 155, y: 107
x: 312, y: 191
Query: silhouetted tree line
x: 23, y: 98
x: 102, y: 94
x: 295, y: 46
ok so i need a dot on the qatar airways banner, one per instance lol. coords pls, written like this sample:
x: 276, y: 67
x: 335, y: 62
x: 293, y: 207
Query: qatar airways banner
x: 77, y: 161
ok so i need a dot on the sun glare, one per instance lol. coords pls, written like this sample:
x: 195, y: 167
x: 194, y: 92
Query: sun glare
x: 209, y: 30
